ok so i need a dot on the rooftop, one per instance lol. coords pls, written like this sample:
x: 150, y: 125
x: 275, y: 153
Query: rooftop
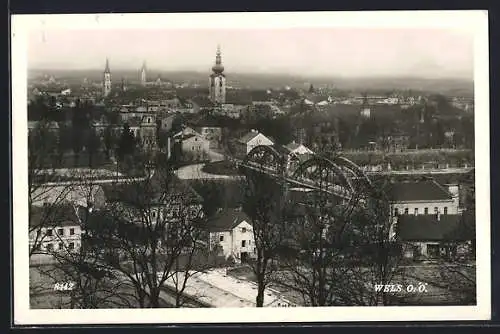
x: 425, y: 190
x: 429, y: 228
x: 227, y: 219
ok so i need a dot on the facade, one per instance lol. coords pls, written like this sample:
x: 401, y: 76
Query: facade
x: 423, y: 198
x: 54, y: 228
x: 193, y: 146
x: 148, y: 132
x: 249, y: 141
x: 231, y: 234
x: 435, y: 236
x: 212, y: 134
x: 107, y: 80
x: 217, y: 81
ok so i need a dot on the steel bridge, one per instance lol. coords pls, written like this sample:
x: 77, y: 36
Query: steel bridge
x: 335, y: 176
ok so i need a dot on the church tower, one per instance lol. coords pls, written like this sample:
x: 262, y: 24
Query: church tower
x: 143, y: 74
x: 217, y: 81
x: 107, y: 79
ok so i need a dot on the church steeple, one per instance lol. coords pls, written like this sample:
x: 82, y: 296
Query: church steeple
x: 107, y: 79
x: 217, y: 80
x: 143, y: 74
x: 218, y: 68
x: 106, y: 69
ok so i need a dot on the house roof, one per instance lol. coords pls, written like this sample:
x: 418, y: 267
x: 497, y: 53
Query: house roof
x: 425, y: 190
x: 53, y: 215
x: 428, y: 228
x: 249, y: 136
x: 227, y: 219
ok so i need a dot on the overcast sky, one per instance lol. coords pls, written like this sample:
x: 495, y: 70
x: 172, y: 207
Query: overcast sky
x: 311, y: 51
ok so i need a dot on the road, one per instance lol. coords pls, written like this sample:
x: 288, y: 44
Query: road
x: 195, y: 171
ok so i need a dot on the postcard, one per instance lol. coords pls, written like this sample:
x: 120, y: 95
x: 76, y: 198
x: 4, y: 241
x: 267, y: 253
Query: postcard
x: 252, y: 167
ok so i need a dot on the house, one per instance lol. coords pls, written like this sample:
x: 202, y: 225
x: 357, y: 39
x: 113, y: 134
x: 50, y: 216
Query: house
x: 423, y: 197
x: 167, y: 122
x: 54, y: 228
x: 213, y: 134
x: 192, y: 146
x: 436, y: 236
x: 250, y: 140
x: 231, y: 234
x: 298, y: 149
x: 148, y: 132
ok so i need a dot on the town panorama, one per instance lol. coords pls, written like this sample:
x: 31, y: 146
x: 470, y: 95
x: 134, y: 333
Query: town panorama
x: 150, y: 189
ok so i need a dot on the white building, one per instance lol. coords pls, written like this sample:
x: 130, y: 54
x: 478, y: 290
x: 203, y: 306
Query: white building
x: 251, y: 140
x: 231, y: 234
x: 298, y: 149
x: 423, y: 198
x: 54, y: 228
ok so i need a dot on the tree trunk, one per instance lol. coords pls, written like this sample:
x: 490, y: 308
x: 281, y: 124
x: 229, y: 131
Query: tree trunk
x: 260, y: 293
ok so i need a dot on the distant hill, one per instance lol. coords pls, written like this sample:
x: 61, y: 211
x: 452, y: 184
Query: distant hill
x: 461, y: 87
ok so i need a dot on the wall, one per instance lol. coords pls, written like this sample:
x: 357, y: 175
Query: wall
x: 452, y: 206
x: 232, y: 241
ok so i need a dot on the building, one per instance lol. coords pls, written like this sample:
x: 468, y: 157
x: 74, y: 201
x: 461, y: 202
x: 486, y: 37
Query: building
x: 298, y: 149
x: 213, y: 134
x: 148, y: 132
x: 435, y: 236
x: 54, y: 228
x: 217, y: 81
x: 107, y: 80
x: 143, y: 74
x: 192, y: 145
x: 249, y: 141
x: 423, y: 198
x: 231, y: 235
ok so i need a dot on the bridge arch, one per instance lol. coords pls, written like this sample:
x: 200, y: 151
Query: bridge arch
x: 266, y: 158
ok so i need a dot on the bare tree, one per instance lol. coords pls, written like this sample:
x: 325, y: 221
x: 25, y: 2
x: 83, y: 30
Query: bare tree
x: 264, y: 204
x: 151, y: 235
x: 339, y: 250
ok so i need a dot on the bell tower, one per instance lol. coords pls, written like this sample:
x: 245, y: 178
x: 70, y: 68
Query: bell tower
x: 107, y: 79
x: 217, y: 81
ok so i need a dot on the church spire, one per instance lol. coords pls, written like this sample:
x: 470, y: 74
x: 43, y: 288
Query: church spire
x: 106, y: 69
x: 218, y: 68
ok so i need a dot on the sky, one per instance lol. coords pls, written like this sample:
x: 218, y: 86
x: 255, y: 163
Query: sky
x: 330, y: 51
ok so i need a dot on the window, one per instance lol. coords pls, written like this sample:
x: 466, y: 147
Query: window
x: 244, y: 230
x: 60, y: 231
x: 426, y: 211
x: 221, y: 238
x: 416, y: 211
x: 445, y: 210
x: 50, y: 247
x: 71, y: 245
x: 154, y: 214
x: 406, y: 211
x: 49, y: 232
x: 71, y: 231
x: 243, y: 243
x: 61, y: 245
x: 436, y: 210
x: 396, y: 212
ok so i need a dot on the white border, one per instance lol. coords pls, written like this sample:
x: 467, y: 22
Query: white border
x: 472, y: 21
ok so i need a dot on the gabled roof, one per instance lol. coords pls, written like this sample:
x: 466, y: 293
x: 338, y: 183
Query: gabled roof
x: 227, y: 219
x: 53, y: 215
x: 428, y: 228
x: 249, y: 136
x: 425, y: 190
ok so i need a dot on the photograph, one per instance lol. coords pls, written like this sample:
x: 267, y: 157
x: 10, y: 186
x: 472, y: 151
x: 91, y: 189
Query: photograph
x: 240, y: 161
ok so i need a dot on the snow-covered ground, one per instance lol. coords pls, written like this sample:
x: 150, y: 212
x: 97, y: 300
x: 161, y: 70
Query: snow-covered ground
x: 220, y: 290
